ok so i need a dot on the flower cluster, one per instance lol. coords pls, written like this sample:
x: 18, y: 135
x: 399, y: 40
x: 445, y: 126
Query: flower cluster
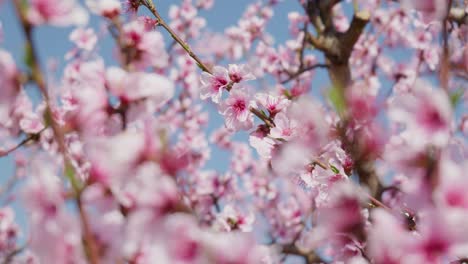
x: 224, y: 147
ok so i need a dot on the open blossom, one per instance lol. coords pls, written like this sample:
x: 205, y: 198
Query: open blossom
x: 238, y: 73
x: 119, y: 159
x: 213, y: 85
x: 284, y: 128
x: 431, y: 9
x: 261, y: 142
x: 84, y: 38
x: 57, y: 13
x: 449, y: 192
x: 388, y: 238
x: 139, y: 85
x: 274, y: 104
x: 107, y: 8
x: 9, y: 230
x: 148, y: 46
x: 426, y: 112
x: 205, y: 4
x: 236, y: 110
x: 232, y: 219
x: 31, y: 123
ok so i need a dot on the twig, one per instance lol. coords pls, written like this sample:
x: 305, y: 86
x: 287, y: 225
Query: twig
x: 182, y: 43
x: 31, y: 137
x: 310, y: 257
x: 263, y: 117
x: 9, y: 258
x: 303, y: 70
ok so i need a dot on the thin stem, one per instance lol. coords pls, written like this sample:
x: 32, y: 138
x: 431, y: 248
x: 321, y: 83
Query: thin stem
x: 309, y: 257
x: 303, y: 70
x: 320, y: 164
x: 29, y: 138
x: 9, y: 258
x: 182, y: 43
x: 378, y: 203
x: 263, y: 117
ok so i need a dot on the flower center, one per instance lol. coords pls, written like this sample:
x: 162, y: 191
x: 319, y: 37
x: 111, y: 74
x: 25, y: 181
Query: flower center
x: 239, y: 105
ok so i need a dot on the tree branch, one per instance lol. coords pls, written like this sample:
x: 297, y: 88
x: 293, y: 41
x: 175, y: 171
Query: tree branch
x: 310, y: 257
x: 37, y: 77
x: 182, y: 43
x: 29, y: 138
x: 303, y: 70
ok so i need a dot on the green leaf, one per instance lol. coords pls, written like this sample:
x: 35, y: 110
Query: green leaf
x: 24, y: 5
x: 455, y: 97
x: 69, y: 171
x: 28, y: 55
x: 334, y: 169
x: 338, y: 101
x: 47, y: 117
x: 287, y: 94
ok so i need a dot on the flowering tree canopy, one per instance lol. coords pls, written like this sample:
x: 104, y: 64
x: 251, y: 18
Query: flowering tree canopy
x: 112, y: 159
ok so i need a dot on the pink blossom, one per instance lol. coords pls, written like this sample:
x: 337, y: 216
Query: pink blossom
x: 106, y: 8
x: 238, y: 73
x: 31, y: 123
x: 205, y: 4
x: 84, y: 108
x: 9, y: 231
x: 339, y: 18
x: 49, y: 218
x: 110, y: 161
x: 388, y: 238
x: 261, y: 142
x: 231, y: 219
x: 57, y: 13
x: 284, y: 128
x: 236, y: 109
x: 426, y: 111
x: 139, y: 86
x: 148, y: 45
x: 221, y: 137
x: 84, y: 39
x: 184, y: 19
x: 274, y: 104
x: 117, y: 159
x: 213, y: 85
x: 431, y: 9
x: 449, y: 191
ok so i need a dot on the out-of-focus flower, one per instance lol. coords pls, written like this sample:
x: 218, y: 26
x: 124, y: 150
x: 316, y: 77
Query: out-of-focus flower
x: 213, y: 85
x: 84, y: 38
x: 106, y: 8
x: 426, y: 112
x: 56, y: 13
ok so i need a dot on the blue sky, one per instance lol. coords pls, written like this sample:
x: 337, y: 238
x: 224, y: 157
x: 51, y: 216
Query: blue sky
x: 53, y: 43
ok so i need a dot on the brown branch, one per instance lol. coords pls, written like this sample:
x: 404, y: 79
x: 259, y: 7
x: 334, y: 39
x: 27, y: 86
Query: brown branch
x: 351, y: 36
x: 263, y: 117
x: 9, y: 258
x: 29, y: 138
x: 37, y: 77
x: 182, y: 43
x: 337, y: 48
x: 458, y: 15
x: 309, y: 257
x: 303, y: 70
